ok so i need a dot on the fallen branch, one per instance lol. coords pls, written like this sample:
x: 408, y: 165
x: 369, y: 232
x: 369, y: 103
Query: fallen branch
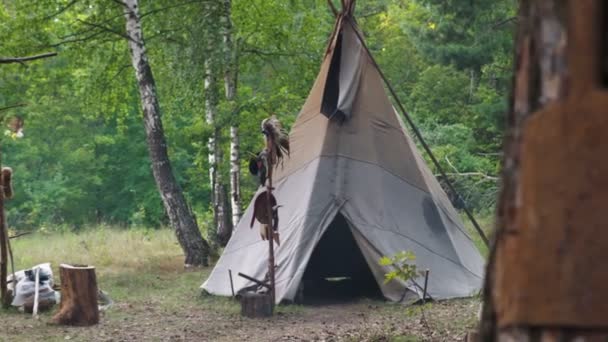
x: 26, y: 59
x: 19, y: 235
x: 467, y: 174
x: 470, y: 174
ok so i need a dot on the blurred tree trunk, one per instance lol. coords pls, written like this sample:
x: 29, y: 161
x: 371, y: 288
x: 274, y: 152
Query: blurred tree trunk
x: 230, y: 83
x: 180, y: 215
x: 221, y: 219
x: 546, y: 277
x: 6, y: 299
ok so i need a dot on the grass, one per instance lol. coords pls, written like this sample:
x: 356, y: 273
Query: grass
x: 486, y: 221
x: 156, y: 299
x: 111, y: 250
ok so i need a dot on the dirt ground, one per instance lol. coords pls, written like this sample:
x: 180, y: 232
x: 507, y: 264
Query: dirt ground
x: 360, y: 321
x: 155, y: 299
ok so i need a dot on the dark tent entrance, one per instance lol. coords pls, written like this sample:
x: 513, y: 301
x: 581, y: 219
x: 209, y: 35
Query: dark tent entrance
x: 337, y: 271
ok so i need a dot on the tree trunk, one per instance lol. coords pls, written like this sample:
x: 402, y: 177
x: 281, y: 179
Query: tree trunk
x: 230, y: 84
x: 4, y: 297
x: 180, y: 215
x: 78, y: 296
x: 545, y: 279
x: 221, y: 221
x: 235, y: 175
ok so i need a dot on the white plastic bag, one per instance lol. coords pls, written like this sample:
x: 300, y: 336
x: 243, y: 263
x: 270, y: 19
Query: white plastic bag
x: 24, y: 293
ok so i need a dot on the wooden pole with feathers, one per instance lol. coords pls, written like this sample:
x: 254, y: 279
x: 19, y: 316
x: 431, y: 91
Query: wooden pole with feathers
x: 265, y: 206
x: 15, y: 130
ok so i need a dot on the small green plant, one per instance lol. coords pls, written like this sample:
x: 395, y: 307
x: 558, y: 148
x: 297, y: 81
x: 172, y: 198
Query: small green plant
x: 403, y: 266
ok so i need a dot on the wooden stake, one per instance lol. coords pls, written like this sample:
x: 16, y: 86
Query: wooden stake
x: 231, y: 283
x: 426, y: 281
x: 36, y: 293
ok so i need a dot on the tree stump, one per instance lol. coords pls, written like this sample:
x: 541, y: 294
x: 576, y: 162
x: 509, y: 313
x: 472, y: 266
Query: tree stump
x: 78, y: 296
x: 255, y: 305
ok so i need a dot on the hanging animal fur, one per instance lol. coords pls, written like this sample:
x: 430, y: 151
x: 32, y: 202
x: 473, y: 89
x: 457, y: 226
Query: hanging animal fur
x: 260, y: 208
x: 277, y: 140
x: 7, y: 187
x: 260, y: 213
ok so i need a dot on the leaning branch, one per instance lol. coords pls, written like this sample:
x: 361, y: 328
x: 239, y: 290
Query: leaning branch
x: 61, y: 10
x: 13, y: 106
x: 26, y: 59
x: 504, y: 22
x: 467, y: 174
x: 77, y: 40
x: 107, y: 29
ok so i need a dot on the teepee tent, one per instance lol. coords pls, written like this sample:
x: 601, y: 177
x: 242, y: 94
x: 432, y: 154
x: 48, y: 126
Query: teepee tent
x: 354, y: 189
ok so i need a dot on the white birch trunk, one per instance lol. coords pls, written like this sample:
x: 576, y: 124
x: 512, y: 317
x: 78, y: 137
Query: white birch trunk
x: 210, y: 114
x: 221, y: 221
x: 181, y: 217
x: 230, y: 83
x: 235, y: 175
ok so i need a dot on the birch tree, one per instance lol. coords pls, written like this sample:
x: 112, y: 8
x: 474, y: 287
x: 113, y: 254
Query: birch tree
x: 210, y: 29
x: 180, y: 214
x: 230, y: 85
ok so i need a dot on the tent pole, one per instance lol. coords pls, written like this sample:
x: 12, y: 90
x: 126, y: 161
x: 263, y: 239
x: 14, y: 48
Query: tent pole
x: 419, y: 135
x: 333, y: 8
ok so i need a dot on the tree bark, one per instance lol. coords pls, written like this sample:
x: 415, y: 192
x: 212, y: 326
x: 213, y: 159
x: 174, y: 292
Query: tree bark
x: 230, y: 85
x: 235, y: 175
x: 4, y: 297
x: 78, y: 296
x: 212, y: 150
x: 221, y: 220
x: 180, y: 216
x: 543, y: 280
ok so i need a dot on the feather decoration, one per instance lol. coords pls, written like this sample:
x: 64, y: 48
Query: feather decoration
x: 277, y: 139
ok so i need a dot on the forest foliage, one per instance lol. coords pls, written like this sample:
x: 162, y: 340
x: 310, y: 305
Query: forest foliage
x: 84, y: 160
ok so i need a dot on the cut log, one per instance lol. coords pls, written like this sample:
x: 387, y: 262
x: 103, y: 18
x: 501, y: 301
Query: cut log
x: 78, y: 296
x: 256, y: 305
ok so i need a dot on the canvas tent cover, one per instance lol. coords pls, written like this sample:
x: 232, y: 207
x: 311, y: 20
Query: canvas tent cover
x: 366, y: 168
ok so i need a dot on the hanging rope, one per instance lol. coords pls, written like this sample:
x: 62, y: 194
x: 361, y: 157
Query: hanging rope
x: 419, y: 135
